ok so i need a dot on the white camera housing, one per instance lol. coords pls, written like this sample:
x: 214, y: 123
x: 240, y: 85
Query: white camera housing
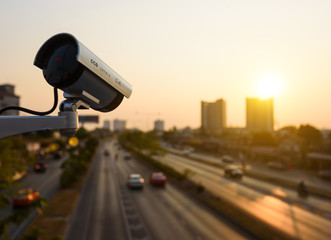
x: 70, y: 66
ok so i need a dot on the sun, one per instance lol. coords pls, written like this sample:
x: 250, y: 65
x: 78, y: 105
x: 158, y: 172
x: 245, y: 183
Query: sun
x: 269, y: 86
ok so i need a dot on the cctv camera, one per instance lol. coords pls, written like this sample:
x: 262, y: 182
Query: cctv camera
x: 69, y: 65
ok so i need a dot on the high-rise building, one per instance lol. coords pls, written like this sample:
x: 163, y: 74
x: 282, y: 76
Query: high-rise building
x: 159, y: 125
x: 8, y: 98
x: 213, y: 116
x: 119, y: 125
x: 106, y: 124
x: 259, y: 114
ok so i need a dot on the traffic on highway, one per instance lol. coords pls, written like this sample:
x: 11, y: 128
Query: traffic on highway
x: 110, y: 209
x: 125, y: 198
x: 280, y: 207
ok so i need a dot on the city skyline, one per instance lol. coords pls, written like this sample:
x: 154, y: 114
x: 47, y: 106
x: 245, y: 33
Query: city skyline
x: 177, y: 53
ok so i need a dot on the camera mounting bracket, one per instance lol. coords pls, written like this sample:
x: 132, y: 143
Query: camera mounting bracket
x: 66, y: 121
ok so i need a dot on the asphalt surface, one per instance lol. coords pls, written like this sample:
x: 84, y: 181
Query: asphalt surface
x: 108, y: 209
x: 277, y: 206
x: 293, y: 175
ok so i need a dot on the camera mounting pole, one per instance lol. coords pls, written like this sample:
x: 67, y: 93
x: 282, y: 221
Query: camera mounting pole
x: 66, y: 121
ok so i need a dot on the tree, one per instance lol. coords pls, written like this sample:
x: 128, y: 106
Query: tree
x: 263, y: 138
x: 311, y: 136
x: 13, y: 159
x: 76, y: 165
x: 142, y: 141
x: 82, y: 133
x: 290, y: 130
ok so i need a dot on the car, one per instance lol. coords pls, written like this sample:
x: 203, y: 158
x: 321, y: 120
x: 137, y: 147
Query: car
x: 188, y: 151
x: 57, y: 155
x: 227, y: 159
x: 233, y: 172
x: 25, y: 198
x: 127, y: 156
x: 40, y: 167
x: 135, y: 180
x: 158, y: 179
x: 106, y: 153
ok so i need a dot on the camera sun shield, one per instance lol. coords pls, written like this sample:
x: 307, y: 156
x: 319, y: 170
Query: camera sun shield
x: 69, y: 65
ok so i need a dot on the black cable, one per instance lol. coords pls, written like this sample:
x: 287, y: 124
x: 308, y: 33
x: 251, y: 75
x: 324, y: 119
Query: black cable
x: 31, y: 111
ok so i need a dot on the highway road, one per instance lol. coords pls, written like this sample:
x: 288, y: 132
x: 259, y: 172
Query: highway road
x: 313, y: 203
x: 108, y: 209
x: 45, y: 183
x: 279, y: 207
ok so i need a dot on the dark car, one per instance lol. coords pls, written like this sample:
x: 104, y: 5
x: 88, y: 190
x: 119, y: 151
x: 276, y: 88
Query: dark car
x: 233, y: 172
x: 57, y: 155
x: 25, y: 198
x: 127, y: 156
x: 158, y: 179
x: 106, y: 153
x: 302, y: 189
x: 40, y: 167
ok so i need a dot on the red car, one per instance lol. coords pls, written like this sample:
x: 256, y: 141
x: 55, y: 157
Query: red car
x: 158, y: 179
x: 25, y: 198
x: 40, y: 167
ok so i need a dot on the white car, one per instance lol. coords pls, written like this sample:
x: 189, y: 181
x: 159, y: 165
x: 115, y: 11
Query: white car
x: 135, y: 180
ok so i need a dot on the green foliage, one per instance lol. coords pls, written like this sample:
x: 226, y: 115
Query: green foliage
x: 292, y: 130
x: 13, y: 159
x: 188, y: 173
x: 168, y: 170
x: 56, y: 238
x: 68, y: 177
x: 263, y: 139
x: 13, y: 156
x: 91, y: 144
x: 170, y: 136
x: 17, y: 217
x: 82, y: 134
x: 142, y: 141
x: 61, y: 143
x: 74, y: 167
x: 311, y: 136
x: 77, y: 164
x: 4, y: 200
x: 36, y: 233
x: 40, y: 135
x: 45, y: 134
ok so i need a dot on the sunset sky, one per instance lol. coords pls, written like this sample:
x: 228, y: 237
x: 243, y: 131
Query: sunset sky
x: 176, y: 53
